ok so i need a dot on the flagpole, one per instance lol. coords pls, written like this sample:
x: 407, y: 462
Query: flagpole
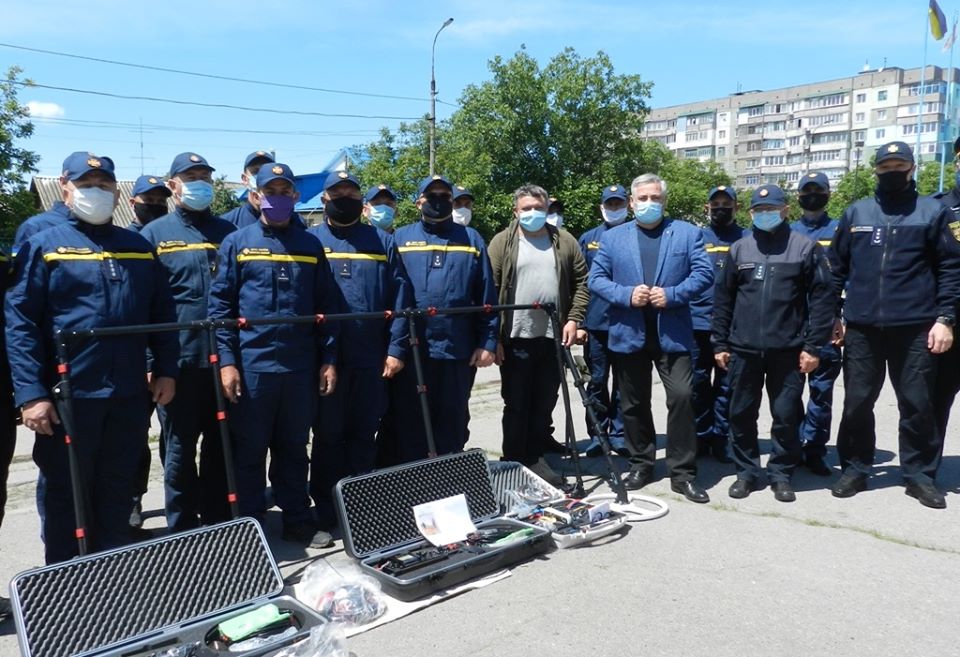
x: 947, y: 116
x: 923, y: 76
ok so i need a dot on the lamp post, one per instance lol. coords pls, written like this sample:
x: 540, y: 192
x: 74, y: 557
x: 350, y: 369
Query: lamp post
x: 433, y: 98
x: 857, y: 152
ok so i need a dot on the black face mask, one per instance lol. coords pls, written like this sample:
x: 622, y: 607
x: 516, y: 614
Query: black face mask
x: 813, y: 202
x: 147, y: 212
x: 891, y: 182
x: 721, y: 216
x: 437, y: 208
x: 343, y: 210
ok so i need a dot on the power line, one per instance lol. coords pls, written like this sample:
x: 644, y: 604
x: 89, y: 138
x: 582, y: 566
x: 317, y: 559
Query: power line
x: 153, y: 126
x: 173, y: 101
x: 212, y: 76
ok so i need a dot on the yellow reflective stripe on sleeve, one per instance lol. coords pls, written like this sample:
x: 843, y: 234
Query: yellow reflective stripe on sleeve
x: 104, y: 255
x: 440, y: 247
x: 333, y: 255
x: 718, y: 249
x: 277, y: 257
x: 824, y: 242
x: 187, y: 247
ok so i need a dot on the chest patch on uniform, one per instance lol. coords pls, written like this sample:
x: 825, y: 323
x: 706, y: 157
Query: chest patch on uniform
x: 878, y: 236
x: 955, y: 229
x: 171, y: 243
x: 415, y: 243
x: 255, y: 251
x: 746, y: 265
x: 861, y: 229
x: 437, y: 260
x: 79, y: 250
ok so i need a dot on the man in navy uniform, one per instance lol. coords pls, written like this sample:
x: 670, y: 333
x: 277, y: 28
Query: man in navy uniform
x: 275, y: 269
x: 249, y: 212
x: 366, y: 268
x: 380, y: 207
x: 606, y: 402
x: 148, y: 200
x: 815, y: 223
x: 711, y: 391
x: 87, y: 273
x: 447, y: 266
x: 897, y: 254
x: 772, y: 314
x: 186, y: 241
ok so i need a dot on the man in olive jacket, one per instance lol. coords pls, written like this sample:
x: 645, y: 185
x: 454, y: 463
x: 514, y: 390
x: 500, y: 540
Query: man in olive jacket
x: 534, y: 262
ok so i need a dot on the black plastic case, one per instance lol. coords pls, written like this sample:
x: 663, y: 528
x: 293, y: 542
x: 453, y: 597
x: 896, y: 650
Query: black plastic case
x: 152, y: 596
x: 376, y: 515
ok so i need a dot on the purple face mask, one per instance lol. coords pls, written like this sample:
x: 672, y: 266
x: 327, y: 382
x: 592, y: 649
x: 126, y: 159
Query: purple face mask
x: 276, y: 207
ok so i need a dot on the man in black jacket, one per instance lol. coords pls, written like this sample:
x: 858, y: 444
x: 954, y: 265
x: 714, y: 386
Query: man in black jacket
x: 773, y: 312
x: 898, y: 256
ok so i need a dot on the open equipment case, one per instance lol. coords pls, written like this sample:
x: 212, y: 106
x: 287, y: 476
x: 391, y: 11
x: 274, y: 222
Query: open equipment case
x: 379, y: 528
x: 166, y: 596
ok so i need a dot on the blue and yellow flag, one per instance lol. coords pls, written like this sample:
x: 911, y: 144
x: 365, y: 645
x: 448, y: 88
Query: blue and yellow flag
x: 938, y: 22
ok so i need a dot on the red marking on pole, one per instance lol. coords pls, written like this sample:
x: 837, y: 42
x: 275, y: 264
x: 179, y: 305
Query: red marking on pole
x: 231, y: 497
x: 536, y: 305
x: 66, y: 438
x: 221, y: 415
x: 214, y: 359
x: 431, y: 311
x: 388, y: 314
x: 422, y: 389
x: 63, y: 368
x: 80, y: 533
x: 487, y: 308
x: 320, y: 318
x: 241, y: 322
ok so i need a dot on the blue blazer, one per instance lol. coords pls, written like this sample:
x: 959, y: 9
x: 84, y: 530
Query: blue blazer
x: 683, y: 271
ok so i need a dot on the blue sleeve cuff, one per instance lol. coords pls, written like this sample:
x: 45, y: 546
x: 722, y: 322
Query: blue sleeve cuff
x: 30, y: 393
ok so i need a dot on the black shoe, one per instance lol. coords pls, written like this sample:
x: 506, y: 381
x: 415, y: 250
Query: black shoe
x: 783, y: 491
x: 741, y: 488
x: 6, y: 609
x: 306, y: 534
x: 551, y: 446
x: 927, y: 494
x: 136, y: 514
x: 849, y: 484
x: 817, y: 465
x: 690, y: 490
x: 637, y: 479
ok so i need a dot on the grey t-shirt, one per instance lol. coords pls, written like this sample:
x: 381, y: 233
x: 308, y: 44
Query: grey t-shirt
x: 536, y: 281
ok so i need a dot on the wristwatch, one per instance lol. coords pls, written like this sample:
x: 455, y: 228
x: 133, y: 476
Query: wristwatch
x: 946, y: 321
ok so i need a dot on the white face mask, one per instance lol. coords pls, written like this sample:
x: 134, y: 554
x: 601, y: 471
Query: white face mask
x: 93, y: 205
x: 614, y: 217
x: 462, y: 216
x: 555, y: 219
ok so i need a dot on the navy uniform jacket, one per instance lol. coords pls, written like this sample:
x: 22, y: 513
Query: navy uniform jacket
x: 55, y: 215
x: 716, y: 242
x: 820, y: 230
x: 242, y: 216
x: 598, y: 308
x: 262, y: 272
x: 367, y: 270
x: 186, y: 243
x: 899, y: 259
x: 448, y: 267
x: 75, y: 276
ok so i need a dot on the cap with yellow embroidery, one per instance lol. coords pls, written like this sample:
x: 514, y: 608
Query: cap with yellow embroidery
x: 337, y: 177
x: 258, y: 157
x: 145, y: 184
x: 273, y: 171
x: 429, y: 180
x: 377, y: 190
x: 895, y: 150
x: 723, y: 189
x: 460, y: 190
x: 814, y: 178
x: 613, y: 191
x: 188, y: 160
x: 80, y: 163
x: 768, y: 195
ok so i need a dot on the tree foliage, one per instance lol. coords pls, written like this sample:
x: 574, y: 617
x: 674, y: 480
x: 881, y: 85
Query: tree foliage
x: 16, y: 203
x: 853, y: 186
x: 224, y: 198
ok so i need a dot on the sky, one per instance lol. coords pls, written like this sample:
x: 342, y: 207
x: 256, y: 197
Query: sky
x: 691, y: 50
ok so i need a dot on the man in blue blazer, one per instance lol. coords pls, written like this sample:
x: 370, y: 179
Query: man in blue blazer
x: 649, y: 270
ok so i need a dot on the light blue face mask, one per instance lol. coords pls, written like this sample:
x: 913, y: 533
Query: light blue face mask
x: 647, y: 212
x: 767, y: 220
x: 381, y: 216
x: 533, y: 220
x: 197, y: 194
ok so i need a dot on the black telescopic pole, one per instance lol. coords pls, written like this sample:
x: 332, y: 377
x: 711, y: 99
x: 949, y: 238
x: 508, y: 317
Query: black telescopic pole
x: 421, y: 387
x: 571, y: 439
x: 64, y: 401
x: 222, y: 424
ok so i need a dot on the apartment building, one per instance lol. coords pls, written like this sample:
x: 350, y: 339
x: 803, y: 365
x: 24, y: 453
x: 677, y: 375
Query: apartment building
x: 831, y: 126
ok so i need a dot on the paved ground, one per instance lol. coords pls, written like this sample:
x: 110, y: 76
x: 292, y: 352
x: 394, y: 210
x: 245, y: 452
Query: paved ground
x: 874, y: 575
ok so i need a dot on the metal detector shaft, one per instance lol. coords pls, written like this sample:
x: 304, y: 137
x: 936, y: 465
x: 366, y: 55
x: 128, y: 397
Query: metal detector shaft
x: 64, y: 401
x: 571, y: 440
x: 222, y: 424
x: 616, y: 481
x: 422, y: 387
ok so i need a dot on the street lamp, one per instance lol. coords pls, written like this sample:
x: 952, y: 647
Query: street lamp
x: 433, y: 98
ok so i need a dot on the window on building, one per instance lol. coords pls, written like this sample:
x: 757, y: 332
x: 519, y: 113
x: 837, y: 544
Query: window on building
x: 911, y: 128
x: 860, y: 117
x: 756, y: 110
x: 774, y: 160
x: 881, y: 133
x: 722, y: 117
x: 769, y: 144
x: 753, y: 146
x: 752, y: 163
x: 881, y: 95
x: 793, y: 176
x: 793, y: 141
x: 751, y: 181
x: 721, y: 134
x: 881, y: 114
x: 860, y: 135
x: 861, y: 98
x: 721, y: 151
x: 829, y: 138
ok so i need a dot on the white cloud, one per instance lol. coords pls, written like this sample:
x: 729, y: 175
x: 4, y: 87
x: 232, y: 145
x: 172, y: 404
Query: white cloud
x: 41, y: 110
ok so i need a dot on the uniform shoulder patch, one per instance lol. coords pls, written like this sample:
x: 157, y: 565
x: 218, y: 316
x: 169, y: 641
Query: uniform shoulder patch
x: 78, y: 250
x: 955, y: 229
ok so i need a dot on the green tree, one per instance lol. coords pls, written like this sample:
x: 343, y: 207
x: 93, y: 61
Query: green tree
x: 853, y: 186
x: 688, y: 183
x: 928, y: 179
x: 224, y: 198
x: 16, y: 163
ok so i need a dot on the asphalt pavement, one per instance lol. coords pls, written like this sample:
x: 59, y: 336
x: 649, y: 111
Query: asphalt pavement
x: 874, y: 575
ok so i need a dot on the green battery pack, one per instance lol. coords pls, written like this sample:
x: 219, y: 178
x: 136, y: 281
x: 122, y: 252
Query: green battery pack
x: 246, y: 625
